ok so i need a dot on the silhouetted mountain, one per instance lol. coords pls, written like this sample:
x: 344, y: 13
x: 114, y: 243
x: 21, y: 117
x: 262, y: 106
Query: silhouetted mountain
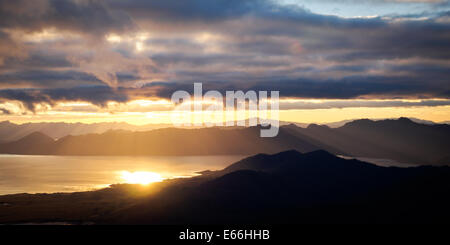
x: 11, y: 131
x: 34, y: 143
x: 283, y: 161
x: 402, y: 140
x: 291, y: 187
x: 168, y: 141
x: 421, y: 121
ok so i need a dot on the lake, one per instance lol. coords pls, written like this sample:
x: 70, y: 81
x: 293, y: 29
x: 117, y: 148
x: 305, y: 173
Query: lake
x: 49, y: 174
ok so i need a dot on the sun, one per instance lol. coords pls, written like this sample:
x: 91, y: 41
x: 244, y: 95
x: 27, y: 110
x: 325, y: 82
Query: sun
x: 141, y: 177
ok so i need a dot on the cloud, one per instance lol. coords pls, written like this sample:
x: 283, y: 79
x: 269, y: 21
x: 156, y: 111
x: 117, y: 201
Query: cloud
x: 56, y: 50
x: 193, y: 10
x: 100, y: 96
x: 4, y: 111
x: 306, y: 105
x: 106, y: 65
x: 47, y: 78
x: 9, y: 48
x: 97, y: 95
x: 91, y: 17
x: 344, y: 88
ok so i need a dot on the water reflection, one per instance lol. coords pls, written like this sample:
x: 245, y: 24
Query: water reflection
x: 35, y: 174
x: 140, y: 177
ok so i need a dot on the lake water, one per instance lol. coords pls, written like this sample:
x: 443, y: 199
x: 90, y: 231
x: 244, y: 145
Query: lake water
x: 48, y: 174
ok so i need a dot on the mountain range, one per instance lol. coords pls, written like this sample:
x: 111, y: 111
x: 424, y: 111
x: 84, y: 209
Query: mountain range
x: 401, y: 140
x: 11, y: 131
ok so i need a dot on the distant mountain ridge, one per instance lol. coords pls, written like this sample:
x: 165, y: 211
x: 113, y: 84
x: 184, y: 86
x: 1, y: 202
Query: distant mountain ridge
x: 401, y: 140
x: 166, y: 141
x: 11, y: 131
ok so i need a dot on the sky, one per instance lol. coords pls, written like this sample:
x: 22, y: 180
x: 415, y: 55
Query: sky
x: 120, y: 60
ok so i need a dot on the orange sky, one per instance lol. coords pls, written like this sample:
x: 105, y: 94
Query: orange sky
x: 145, y: 112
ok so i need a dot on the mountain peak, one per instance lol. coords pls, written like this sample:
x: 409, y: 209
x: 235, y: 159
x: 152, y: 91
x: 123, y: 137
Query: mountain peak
x: 364, y: 121
x: 36, y: 137
x: 317, y: 126
x: 368, y: 122
x: 404, y: 119
x: 290, y: 125
x: 279, y: 161
x: 6, y: 122
x: 319, y: 153
x: 288, y: 153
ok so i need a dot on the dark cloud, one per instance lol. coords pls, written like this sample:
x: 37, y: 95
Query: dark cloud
x: 424, y: 39
x: 305, y: 105
x: 47, y: 78
x: 9, y: 48
x: 90, y: 17
x: 344, y: 88
x: 192, y: 10
x: 97, y: 95
x: 36, y: 61
x: 4, y: 111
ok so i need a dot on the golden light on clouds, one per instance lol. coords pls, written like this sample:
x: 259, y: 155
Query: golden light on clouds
x: 113, y: 38
x: 436, y: 114
x: 139, y: 46
x: 160, y: 111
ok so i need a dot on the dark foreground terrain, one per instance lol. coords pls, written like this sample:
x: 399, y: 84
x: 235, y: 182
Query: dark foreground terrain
x: 287, y: 188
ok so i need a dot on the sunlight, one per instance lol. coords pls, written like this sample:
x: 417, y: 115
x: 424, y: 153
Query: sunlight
x: 139, y: 46
x: 141, y: 177
x: 114, y: 38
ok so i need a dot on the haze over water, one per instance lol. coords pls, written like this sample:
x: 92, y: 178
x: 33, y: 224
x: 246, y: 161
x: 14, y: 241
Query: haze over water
x: 49, y: 174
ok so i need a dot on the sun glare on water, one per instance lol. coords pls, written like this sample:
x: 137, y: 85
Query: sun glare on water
x: 141, y: 177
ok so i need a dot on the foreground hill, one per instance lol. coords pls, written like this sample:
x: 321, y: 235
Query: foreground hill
x: 402, y: 140
x: 291, y: 187
x: 288, y: 187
